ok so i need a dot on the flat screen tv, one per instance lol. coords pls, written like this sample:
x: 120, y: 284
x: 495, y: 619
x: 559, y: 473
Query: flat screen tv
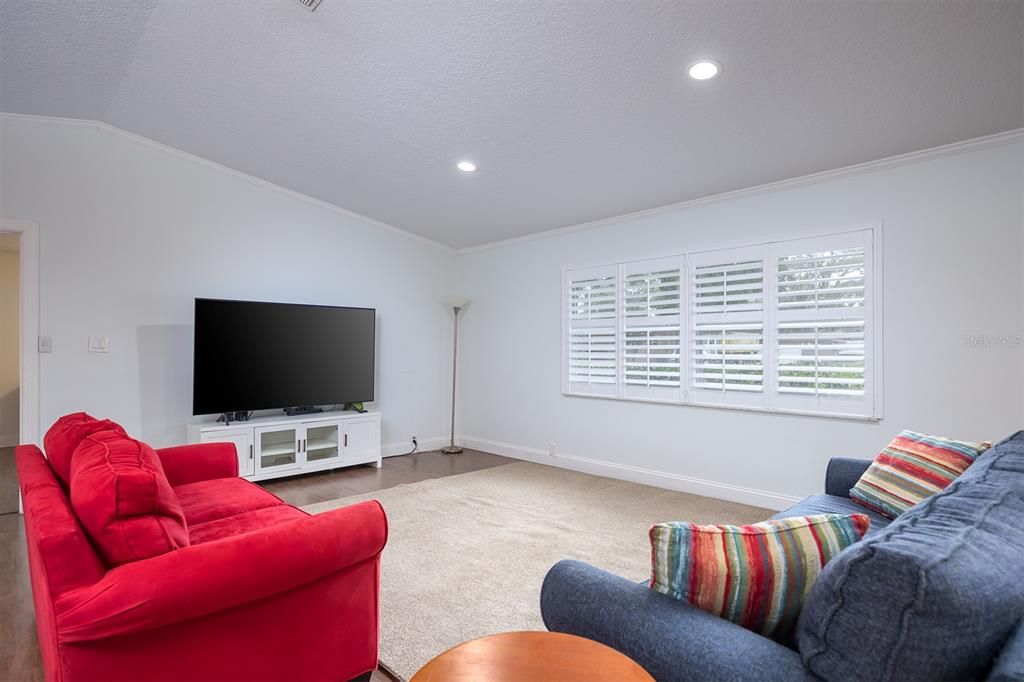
x: 255, y: 356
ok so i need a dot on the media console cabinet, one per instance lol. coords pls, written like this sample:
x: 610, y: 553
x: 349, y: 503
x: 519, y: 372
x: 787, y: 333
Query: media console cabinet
x: 271, y: 447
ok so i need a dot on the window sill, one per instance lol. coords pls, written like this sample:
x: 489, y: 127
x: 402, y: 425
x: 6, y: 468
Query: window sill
x: 736, y: 408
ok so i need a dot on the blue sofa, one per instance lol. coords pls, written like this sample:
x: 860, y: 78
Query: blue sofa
x: 936, y: 594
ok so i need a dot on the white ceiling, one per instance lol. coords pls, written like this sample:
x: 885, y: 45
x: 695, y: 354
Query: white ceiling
x: 574, y: 110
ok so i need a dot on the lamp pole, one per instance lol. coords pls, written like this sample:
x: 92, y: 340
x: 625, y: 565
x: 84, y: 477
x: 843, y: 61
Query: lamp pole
x: 456, y: 305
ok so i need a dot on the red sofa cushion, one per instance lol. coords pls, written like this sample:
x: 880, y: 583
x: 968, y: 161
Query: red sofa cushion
x: 123, y: 500
x: 243, y: 523
x: 65, y: 435
x: 220, y: 498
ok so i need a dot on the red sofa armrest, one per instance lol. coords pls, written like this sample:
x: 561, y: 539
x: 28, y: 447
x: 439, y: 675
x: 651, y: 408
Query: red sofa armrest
x: 214, y: 576
x: 199, y: 462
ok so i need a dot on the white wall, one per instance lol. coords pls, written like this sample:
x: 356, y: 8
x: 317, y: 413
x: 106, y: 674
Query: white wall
x: 131, y: 232
x: 952, y: 267
x: 9, y: 346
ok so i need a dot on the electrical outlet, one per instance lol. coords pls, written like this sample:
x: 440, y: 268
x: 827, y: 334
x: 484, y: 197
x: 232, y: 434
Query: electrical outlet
x: 552, y: 449
x: 414, y: 443
x: 45, y: 344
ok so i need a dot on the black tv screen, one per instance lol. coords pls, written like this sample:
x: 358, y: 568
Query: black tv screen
x: 255, y: 356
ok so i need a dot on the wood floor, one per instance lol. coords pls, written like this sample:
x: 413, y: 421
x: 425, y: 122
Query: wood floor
x: 19, y: 650
x: 8, y: 482
x: 330, y: 485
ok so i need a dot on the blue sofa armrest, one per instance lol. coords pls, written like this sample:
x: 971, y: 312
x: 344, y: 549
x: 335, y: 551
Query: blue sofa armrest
x: 843, y: 473
x: 670, y: 639
x: 1010, y: 664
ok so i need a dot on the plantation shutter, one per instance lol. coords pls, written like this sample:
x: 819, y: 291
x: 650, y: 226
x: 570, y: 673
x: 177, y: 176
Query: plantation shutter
x: 823, y: 323
x: 651, y: 328
x: 786, y: 326
x: 591, y: 341
x: 727, y: 307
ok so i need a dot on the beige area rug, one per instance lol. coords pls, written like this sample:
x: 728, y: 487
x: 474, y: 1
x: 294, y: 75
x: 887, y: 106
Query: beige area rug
x: 467, y: 554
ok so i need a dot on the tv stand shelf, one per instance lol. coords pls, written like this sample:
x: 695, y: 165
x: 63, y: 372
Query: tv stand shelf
x: 272, y: 450
x: 271, y: 447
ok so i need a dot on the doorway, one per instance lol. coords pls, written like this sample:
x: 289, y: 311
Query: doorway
x: 10, y: 366
x: 26, y: 232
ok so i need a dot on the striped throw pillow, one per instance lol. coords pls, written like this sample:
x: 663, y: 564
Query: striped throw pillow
x: 756, y: 576
x: 912, y: 468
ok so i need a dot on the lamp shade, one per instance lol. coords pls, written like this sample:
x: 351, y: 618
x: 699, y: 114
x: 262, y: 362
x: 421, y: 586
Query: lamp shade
x: 457, y: 301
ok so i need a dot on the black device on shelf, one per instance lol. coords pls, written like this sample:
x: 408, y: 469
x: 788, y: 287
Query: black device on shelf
x: 299, y: 411
x: 251, y: 355
x: 228, y: 417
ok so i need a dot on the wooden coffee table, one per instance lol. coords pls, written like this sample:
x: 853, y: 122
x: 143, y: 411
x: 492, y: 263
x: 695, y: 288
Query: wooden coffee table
x: 533, y: 656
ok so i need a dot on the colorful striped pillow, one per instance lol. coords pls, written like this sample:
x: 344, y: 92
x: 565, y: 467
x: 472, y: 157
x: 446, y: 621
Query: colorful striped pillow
x: 912, y: 468
x: 756, y: 576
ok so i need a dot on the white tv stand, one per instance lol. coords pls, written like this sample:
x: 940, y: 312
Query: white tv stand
x: 271, y: 447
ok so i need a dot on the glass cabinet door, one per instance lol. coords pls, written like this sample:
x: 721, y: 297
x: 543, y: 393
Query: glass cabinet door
x: 322, y: 442
x: 278, y: 448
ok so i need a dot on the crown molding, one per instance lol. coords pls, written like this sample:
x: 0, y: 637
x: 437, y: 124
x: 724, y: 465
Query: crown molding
x: 910, y: 158
x: 139, y: 139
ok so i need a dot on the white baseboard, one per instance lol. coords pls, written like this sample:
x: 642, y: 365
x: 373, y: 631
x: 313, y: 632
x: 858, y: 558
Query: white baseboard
x: 658, y: 479
x: 426, y: 444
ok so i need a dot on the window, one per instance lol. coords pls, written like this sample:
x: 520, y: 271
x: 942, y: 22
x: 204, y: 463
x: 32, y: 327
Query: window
x: 785, y: 326
x: 593, y: 345
x: 727, y: 348
x: 651, y: 296
x: 822, y: 347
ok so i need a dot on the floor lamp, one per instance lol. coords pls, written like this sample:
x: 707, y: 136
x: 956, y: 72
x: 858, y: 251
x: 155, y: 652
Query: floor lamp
x: 457, y: 303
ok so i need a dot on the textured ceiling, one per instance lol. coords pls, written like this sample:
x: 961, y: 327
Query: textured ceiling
x: 574, y: 110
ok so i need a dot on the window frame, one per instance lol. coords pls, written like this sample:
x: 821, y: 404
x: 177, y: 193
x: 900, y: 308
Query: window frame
x: 826, y: 315
x: 870, y: 408
x: 626, y: 269
x: 725, y: 319
x: 603, y: 390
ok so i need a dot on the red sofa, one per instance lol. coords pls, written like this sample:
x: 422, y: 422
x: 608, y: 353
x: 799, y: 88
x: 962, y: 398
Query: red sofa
x: 263, y: 591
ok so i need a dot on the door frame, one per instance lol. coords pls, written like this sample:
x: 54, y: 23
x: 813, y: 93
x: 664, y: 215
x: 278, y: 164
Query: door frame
x: 28, y: 415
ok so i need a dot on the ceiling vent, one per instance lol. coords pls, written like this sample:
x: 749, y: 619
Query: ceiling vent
x: 309, y: 4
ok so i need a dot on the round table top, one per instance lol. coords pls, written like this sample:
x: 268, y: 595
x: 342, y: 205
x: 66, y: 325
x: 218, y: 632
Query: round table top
x: 541, y: 656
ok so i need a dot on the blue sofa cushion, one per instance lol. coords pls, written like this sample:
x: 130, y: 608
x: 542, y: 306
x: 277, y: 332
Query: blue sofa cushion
x: 833, y: 504
x: 843, y: 473
x: 933, y: 596
x: 673, y: 641
x: 1010, y: 665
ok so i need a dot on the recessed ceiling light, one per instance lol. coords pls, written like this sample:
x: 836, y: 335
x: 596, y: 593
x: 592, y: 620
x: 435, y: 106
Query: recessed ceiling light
x: 466, y: 166
x: 705, y: 69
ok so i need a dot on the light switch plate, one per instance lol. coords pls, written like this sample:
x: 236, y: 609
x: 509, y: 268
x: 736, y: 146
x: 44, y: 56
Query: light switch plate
x: 99, y: 344
x: 45, y: 344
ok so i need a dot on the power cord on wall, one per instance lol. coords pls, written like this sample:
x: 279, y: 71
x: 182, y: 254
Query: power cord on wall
x: 415, y: 447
